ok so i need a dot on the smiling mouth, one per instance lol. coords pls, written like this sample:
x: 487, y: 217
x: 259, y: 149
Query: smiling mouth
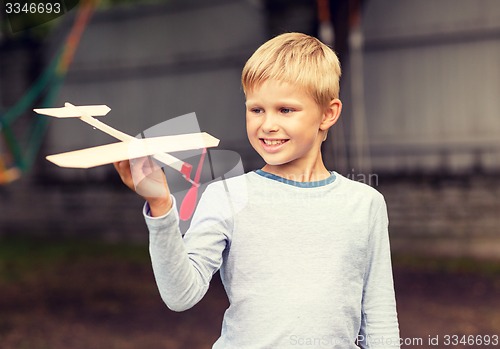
x: 274, y: 142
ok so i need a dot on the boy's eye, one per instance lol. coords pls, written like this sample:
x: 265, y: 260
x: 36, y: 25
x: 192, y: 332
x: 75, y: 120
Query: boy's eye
x: 256, y: 110
x: 286, y: 110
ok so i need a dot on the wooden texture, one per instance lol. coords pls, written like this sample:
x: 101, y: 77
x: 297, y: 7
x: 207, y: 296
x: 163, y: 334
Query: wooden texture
x: 74, y: 111
x: 136, y: 148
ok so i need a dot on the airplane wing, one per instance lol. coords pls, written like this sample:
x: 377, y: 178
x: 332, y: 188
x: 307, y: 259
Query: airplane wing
x: 86, y: 113
x: 74, y: 111
x: 136, y: 148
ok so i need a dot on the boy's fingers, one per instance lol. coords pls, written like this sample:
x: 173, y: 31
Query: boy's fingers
x: 148, y: 178
x: 143, y: 176
x: 120, y: 165
x: 123, y: 169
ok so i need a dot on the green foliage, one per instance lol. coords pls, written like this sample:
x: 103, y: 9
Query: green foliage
x: 39, y: 25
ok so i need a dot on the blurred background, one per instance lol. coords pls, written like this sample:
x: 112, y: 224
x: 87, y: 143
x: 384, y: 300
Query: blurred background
x: 421, y: 123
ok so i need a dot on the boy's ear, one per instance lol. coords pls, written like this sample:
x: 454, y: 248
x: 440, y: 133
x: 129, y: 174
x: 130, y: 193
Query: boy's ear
x: 331, y: 114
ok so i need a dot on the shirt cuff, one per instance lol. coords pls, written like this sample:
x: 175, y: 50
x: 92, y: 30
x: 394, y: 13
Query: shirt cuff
x: 146, y: 211
x: 169, y: 222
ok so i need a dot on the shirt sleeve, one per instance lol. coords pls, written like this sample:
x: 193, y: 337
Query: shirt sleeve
x: 184, y: 266
x: 379, y: 323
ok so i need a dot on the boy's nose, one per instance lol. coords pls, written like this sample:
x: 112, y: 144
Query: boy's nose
x: 269, y: 124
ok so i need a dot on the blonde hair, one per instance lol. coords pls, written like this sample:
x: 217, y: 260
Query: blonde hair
x: 297, y: 59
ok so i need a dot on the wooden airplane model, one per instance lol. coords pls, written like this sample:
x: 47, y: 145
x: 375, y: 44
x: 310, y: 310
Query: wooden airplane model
x: 129, y: 147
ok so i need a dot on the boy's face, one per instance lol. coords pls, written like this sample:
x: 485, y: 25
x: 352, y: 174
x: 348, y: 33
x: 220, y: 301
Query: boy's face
x: 286, y: 127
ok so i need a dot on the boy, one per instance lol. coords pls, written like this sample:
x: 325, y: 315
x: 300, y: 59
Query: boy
x: 303, y: 252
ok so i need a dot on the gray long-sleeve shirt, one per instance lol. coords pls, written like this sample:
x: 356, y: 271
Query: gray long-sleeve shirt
x: 303, y: 264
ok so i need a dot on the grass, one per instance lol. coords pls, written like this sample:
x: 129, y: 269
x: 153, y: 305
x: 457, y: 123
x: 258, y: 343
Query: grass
x: 448, y: 265
x: 22, y: 257
x: 81, y: 294
x: 32, y: 261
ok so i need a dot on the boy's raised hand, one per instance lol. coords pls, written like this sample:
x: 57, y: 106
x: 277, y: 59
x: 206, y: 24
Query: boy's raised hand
x: 146, y: 178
